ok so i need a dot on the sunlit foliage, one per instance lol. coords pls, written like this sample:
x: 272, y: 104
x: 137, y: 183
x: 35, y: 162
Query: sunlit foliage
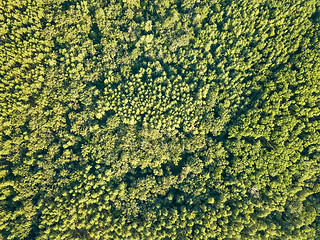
x: 164, y: 119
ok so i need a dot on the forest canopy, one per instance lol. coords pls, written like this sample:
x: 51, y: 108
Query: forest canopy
x: 163, y: 119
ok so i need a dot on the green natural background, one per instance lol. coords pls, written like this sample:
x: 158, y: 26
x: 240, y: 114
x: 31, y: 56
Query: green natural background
x: 160, y: 119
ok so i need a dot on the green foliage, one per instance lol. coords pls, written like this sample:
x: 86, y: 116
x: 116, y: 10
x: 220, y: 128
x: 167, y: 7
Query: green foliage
x: 159, y: 119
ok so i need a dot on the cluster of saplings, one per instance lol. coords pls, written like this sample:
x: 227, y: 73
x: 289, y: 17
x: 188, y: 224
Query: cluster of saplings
x: 164, y: 119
